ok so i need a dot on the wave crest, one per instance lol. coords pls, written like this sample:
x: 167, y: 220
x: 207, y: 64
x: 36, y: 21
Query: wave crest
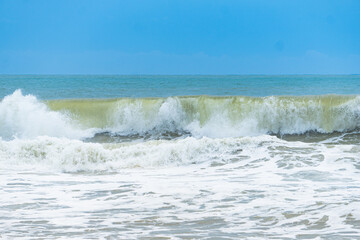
x: 26, y: 117
x: 219, y: 116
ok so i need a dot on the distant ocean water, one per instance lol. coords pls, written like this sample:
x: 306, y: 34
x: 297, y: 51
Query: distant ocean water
x: 139, y: 86
x: 182, y: 157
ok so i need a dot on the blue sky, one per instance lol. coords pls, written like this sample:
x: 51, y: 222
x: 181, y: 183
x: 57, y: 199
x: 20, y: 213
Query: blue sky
x: 180, y: 37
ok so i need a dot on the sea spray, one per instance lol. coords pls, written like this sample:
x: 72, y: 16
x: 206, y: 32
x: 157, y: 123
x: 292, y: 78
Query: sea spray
x: 27, y: 117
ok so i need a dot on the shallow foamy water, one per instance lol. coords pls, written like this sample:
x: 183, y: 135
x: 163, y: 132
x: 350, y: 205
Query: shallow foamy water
x: 252, y: 187
x: 180, y: 167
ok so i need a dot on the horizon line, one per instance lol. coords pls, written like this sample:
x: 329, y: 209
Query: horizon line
x: 161, y: 74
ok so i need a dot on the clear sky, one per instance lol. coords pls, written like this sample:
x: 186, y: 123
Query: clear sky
x: 180, y: 37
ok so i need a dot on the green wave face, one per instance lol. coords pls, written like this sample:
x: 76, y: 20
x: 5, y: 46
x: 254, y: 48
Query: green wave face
x: 237, y: 115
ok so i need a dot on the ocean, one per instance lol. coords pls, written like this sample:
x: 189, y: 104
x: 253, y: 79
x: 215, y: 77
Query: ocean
x: 179, y: 157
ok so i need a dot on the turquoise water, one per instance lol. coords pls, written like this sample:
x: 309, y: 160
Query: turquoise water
x: 113, y: 86
x: 180, y: 157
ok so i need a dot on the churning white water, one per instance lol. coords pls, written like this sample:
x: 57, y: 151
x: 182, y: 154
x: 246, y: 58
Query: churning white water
x: 69, y: 173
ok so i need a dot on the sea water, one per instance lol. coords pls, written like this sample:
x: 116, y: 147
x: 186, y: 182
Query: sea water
x: 180, y: 157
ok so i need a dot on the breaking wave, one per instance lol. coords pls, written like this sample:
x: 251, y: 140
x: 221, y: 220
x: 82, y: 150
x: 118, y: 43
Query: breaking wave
x: 27, y: 117
x: 215, y: 130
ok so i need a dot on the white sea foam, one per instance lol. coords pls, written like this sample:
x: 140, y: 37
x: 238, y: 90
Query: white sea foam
x: 249, y: 187
x: 54, y: 185
x: 73, y: 155
x: 225, y: 179
x: 61, y: 154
